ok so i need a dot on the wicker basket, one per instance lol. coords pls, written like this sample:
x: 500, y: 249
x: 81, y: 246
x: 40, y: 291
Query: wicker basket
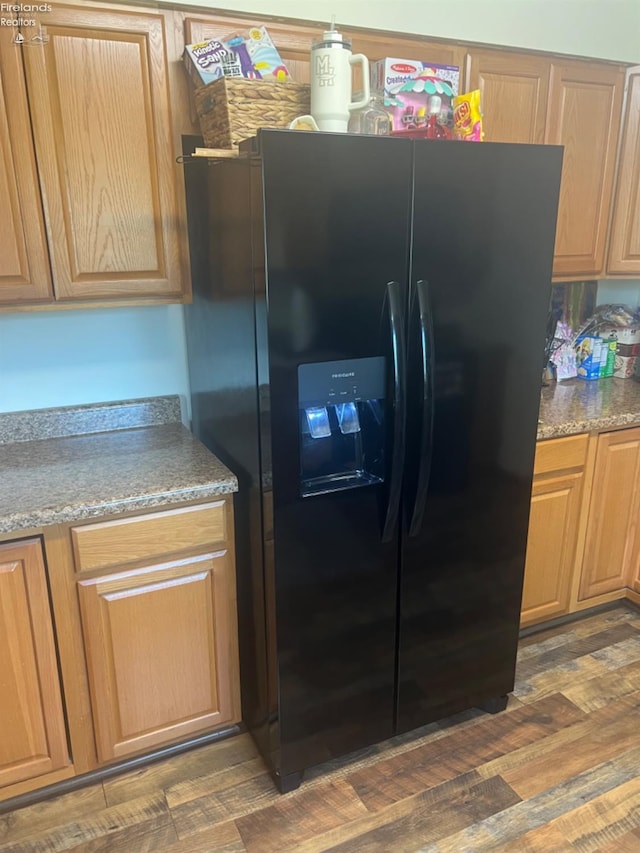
x: 232, y: 109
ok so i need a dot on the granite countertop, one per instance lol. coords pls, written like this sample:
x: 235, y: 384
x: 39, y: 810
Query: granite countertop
x: 575, y: 406
x: 66, y: 478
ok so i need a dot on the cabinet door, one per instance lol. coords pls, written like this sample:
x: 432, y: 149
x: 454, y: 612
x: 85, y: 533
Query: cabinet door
x: 159, y: 643
x: 514, y: 89
x: 551, y: 547
x: 613, y: 513
x: 584, y: 115
x: 99, y: 103
x: 624, y: 244
x: 33, y: 739
x: 24, y: 262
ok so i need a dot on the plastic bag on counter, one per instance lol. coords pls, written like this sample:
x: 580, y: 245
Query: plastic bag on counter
x: 607, y: 317
x: 563, y: 354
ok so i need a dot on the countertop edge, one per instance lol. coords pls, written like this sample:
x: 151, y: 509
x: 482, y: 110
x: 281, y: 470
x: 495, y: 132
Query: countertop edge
x: 68, y: 514
x: 546, y: 431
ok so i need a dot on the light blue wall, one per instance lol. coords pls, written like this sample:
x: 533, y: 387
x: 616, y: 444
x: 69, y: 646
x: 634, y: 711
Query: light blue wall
x: 58, y: 358
x: 626, y: 292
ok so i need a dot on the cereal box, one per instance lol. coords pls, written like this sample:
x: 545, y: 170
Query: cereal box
x: 589, y: 351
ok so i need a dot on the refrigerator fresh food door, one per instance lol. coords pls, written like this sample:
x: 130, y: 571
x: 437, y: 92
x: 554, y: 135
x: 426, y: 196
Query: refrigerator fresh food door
x: 336, y: 238
x: 483, y: 235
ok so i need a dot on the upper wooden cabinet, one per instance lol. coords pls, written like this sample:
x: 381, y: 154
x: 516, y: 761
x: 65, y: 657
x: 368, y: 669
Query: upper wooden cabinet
x: 624, y: 242
x: 584, y: 115
x: 24, y: 261
x: 99, y: 107
x: 33, y: 739
x: 514, y: 90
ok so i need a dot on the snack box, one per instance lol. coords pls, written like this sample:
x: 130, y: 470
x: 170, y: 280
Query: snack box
x: 624, y: 335
x: 589, y: 356
x: 625, y: 366
x: 627, y: 349
x: 410, y: 88
x: 608, y: 358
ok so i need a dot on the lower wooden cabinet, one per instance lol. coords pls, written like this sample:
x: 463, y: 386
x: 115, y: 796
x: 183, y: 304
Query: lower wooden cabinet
x: 611, y: 552
x: 33, y: 738
x: 159, y: 638
x: 553, y: 528
x: 551, y: 551
x: 584, y: 532
x: 158, y: 641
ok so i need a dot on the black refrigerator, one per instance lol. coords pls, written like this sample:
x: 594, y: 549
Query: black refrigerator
x: 365, y: 349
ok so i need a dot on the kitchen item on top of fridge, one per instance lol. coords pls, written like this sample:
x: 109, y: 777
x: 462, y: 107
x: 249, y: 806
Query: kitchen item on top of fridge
x: 409, y: 89
x: 433, y: 128
x: 331, y: 81
x: 467, y: 117
x: 389, y: 75
x: 303, y: 123
x: 253, y: 55
x: 232, y: 109
x: 203, y: 61
x: 250, y: 55
x: 372, y: 118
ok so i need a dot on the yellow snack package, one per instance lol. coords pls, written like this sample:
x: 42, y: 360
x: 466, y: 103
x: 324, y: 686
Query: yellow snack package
x: 467, y: 117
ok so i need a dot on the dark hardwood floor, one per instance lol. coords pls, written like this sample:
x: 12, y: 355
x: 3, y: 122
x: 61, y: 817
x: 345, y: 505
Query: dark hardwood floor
x: 559, y: 770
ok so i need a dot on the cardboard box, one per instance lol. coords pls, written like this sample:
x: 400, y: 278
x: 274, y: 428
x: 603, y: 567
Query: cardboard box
x: 409, y: 89
x: 252, y: 55
x: 625, y: 366
x: 589, y: 350
x: 203, y: 61
x: 609, y: 349
x: 623, y: 335
x: 627, y: 349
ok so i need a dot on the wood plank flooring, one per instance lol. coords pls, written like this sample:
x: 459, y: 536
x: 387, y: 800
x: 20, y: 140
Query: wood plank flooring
x: 559, y: 770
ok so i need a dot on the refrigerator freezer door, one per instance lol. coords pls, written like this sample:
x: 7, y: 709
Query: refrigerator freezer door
x: 336, y: 232
x: 483, y: 234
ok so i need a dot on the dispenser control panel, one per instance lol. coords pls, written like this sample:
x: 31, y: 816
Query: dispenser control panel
x: 327, y: 383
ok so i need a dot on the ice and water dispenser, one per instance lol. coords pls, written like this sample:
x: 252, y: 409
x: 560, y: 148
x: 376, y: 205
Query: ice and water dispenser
x: 341, y: 421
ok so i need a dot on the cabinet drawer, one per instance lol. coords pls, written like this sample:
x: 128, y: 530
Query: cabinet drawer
x: 559, y: 454
x: 108, y: 543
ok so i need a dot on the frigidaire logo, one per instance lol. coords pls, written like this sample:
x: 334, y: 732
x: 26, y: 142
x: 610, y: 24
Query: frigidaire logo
x: 342, y: 375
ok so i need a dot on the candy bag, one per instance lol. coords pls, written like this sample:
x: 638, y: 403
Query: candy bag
x: 467, y: 117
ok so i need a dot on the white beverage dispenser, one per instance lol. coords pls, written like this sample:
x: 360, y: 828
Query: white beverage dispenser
x: 331, y: 81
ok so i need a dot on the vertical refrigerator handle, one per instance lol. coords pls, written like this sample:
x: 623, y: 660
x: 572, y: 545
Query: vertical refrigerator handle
x: 426, y: 433
x: 396, y: 324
